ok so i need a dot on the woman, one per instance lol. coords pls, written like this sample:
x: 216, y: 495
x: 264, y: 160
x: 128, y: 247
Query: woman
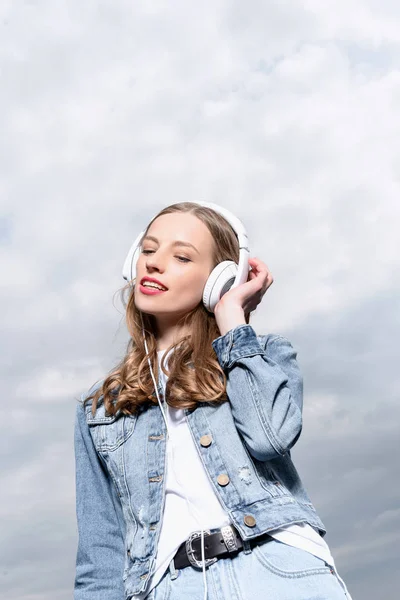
x: 208, y: 504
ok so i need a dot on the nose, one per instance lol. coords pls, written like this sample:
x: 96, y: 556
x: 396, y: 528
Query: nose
x: 153, y: 263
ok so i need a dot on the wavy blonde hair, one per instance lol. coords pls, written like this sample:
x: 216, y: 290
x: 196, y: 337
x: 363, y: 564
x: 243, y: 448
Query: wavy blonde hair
x: 129, y: 386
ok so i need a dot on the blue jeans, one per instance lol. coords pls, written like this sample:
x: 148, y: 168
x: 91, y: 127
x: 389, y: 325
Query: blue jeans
x: 269, y: 571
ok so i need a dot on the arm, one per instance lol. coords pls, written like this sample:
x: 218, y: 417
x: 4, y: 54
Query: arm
x: 101, y: 548
x: 265, y: 389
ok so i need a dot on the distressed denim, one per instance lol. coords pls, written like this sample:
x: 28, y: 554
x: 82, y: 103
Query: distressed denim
x: 120, y: 465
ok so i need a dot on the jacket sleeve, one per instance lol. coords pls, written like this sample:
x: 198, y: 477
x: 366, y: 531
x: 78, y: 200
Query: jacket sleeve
x: 101, y: 547
x: 265, y: 389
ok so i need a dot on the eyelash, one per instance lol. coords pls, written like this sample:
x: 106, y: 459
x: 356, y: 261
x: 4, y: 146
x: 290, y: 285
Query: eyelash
x: 181, y: 257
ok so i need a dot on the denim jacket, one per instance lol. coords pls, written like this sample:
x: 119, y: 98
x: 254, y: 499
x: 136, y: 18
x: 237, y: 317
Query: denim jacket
x: 120, y: 465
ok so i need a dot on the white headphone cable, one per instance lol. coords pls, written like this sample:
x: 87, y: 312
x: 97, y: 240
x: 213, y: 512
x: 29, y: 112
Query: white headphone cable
x: 172, y: 463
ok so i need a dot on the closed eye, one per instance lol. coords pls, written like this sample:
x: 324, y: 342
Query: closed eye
x: 180, y: 257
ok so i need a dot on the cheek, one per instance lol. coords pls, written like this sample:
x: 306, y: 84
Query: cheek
x: 192, y: 286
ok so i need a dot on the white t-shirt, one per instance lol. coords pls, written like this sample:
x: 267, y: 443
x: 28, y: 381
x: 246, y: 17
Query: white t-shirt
x: 186, y: 476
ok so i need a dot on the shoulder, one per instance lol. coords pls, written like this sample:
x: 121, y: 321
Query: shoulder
x: 84, y: 407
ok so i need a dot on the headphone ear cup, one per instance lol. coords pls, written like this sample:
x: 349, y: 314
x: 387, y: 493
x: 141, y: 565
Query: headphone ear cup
x: 218, y: 283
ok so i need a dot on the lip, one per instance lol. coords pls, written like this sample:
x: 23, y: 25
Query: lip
x: 153, y: 280
x: 150, y: 291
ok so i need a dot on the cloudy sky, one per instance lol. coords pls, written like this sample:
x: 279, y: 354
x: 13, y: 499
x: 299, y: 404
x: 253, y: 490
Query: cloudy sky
x: 288, y: 114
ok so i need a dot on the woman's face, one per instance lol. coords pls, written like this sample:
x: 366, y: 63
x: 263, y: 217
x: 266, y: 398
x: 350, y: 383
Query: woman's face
x: 182, y: 269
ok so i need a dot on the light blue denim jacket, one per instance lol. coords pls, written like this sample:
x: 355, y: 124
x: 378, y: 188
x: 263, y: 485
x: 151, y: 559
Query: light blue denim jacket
x: 120, y: 465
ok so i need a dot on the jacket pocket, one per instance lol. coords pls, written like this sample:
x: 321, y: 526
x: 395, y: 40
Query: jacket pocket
x: 266, y: 477
x: 110, y: 432
x: 269, y: 480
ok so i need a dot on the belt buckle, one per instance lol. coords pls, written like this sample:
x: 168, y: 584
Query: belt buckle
x: 190, y: 550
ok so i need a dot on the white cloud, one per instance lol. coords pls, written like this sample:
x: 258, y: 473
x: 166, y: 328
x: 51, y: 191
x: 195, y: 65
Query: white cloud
x: 285, y: 113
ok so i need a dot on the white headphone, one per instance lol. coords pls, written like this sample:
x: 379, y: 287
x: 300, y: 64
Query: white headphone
x: 225, y: 276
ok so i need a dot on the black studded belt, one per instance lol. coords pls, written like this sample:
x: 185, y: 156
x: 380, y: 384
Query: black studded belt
x: 223, y: 542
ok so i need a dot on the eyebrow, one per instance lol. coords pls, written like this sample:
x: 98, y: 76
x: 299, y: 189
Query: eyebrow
x: 177, y: 243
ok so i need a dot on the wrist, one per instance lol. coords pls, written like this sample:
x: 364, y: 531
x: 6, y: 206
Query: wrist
x: 229, y: 317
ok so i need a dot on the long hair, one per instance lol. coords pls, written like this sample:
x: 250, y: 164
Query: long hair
x: 194, y: 373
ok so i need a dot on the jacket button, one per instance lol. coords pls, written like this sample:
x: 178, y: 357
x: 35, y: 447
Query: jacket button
x: 249, y: 520
x: 223, y: 479
x: 205, y: 440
